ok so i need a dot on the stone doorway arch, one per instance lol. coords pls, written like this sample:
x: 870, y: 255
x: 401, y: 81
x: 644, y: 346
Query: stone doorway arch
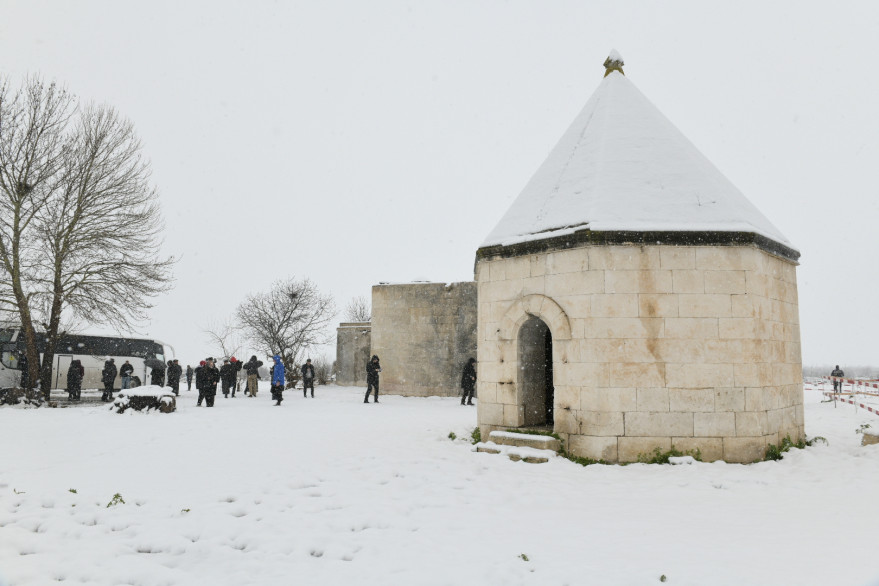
x: 535, y: 380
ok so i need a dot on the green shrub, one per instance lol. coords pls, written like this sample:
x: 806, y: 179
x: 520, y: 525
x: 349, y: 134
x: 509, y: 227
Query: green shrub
x: 774, y: 452
x: 452, y: 436
x: 475, y: 435
x: 117, y: 499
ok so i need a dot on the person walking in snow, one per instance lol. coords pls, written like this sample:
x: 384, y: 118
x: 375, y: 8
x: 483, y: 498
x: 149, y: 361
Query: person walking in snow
x: 252, y: 370
x: 108, y: 377
x: 837, y: 373
x: 278, y: 380
x: 468, y: 381
x: 372, y: 369
x: 157, y: 376
x: 307, y: 378
x: 125, y: 372
x: 210, y: 376
x: 189, y: 373
x: 174, y: 372
x: 227, y: 375
x: 75, y: 372
x: 237, y: 365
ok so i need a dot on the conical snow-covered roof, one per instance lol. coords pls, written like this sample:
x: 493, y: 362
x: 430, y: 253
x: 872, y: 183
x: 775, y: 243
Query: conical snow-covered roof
x: 623, y: 167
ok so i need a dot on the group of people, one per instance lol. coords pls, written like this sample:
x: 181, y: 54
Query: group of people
x: 208, y: 376
x: 468, y: 380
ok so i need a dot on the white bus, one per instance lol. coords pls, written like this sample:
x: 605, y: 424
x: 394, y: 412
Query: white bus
x: 91, y: 351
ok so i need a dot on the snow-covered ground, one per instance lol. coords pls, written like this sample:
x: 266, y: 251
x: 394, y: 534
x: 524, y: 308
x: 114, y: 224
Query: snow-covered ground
x: 332, y: 491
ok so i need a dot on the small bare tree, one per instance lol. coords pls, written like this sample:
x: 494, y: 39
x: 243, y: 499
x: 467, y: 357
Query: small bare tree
x: 223, y: 336
x: 287, y: 320
x: 358, y: 310
x: 323, y: 369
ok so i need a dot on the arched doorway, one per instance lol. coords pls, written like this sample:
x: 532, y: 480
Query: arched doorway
x: 535, y: 372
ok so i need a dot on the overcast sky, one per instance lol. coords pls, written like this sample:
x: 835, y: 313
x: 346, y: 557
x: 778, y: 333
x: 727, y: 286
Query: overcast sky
x: 359, y: 142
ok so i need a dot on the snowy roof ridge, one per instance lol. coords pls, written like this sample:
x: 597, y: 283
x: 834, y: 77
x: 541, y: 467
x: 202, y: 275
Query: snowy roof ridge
x: 623, y: 166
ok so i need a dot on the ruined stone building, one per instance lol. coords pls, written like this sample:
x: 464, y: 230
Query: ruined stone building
x: 632, y: 298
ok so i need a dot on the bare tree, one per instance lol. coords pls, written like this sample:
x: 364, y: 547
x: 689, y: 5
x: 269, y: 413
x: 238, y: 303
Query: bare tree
x: 33, y: 147
x: 225, y: 337
x: 323, y: 369
x: 287, y: 320
x: 93, y: 239
x: 358, y: 309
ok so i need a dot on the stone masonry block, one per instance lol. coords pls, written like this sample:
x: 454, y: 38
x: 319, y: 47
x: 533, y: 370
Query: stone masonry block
x: 710, y: 448
x: 754, y: 399
x: 567, y: 261
x: 705, y: 305
x: 538, y: 264
x: 511, y: 416
x: 677, y: 257
x: 691, y: 400
x: 697, y: 376
x: 562, y: 284
x: 576, y: 306
x: 620, y: 258
x: 566, y: 421
x: 608, y: 399
x: 751, y: 424
x: 688, y: 281
x: 658, y: 305
x: 597, y: 448
x: 656, y: 424
x: 490, y: 413
x: 729, y: 399
x: 601, y: 423
x: 725, y: 282
x: 652, y: 400
x: 720, y: 258
x: 615, y: 305
x: 714, y: 424
x: 691, y: 328
x: 629, y: 448
x: 636, y: 374
x: 656, y: 281
x: 743, y: 450
x: 623, y: 327
x: 582, y: 374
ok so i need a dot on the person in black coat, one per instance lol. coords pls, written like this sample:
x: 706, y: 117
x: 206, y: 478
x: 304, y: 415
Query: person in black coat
x: 227, y: 376
x: 251, y: 367
x: 125, y: 372
x: 75, y: 372
x: 837, y: 373
x: 174, y: 372
x: 108, y: 377
x: 468, y: 381
x: 372, y: 369
x: 237, y: 365
x: 157, y: 376
x: 210, y: 376
x: 23, y: 365
x: 307, y: 378
x: 189, y: 373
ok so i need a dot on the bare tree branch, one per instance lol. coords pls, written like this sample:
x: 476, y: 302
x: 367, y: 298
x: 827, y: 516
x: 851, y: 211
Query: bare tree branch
x: 358, y: 310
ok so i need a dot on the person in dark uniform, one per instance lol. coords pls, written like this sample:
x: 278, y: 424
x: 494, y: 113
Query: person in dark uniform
x: 372, y: 369
x: 307, y: 378
x: 468, y: 381
x: 174, y: 372
x: 75, y: 372
x: 108, y: 377
x: 189, y: 373
x: 837, y: 373
x: 210, y: 376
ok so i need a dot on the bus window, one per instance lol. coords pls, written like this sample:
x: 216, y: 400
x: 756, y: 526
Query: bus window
x: 9, y: 359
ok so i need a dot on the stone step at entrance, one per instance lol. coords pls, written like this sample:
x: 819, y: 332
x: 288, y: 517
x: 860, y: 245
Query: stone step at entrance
x: 539, y: 442
x: 534, y: 449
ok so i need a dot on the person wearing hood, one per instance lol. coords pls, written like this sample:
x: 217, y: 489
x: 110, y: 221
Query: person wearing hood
x: 468, y: 381
x: 837, y: 375
x: 372, y: 369
x: 252, y: 370
x: 237, y: 365
x: 278, y: 381
x: 108, y: 377
x: 75, y: 372
x: 157, y: 376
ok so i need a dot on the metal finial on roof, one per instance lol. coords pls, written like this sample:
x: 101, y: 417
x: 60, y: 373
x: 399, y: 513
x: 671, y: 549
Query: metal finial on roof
x: 614, y: 62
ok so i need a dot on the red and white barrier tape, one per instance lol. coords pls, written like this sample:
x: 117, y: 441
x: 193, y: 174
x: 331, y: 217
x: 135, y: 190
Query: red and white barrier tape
x: 837, y: 397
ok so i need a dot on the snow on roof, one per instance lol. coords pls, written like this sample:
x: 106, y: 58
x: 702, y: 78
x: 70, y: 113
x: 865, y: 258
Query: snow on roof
x: 623, y: 166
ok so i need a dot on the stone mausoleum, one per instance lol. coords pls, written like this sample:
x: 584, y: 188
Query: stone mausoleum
x: 632, y: 298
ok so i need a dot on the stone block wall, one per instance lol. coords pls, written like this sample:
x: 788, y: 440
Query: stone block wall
x: 423, y: 333
x: 353, y: 345
x: 653, y: 346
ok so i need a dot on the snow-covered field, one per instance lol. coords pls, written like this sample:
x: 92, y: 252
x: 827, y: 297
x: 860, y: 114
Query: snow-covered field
x: 332, y: 491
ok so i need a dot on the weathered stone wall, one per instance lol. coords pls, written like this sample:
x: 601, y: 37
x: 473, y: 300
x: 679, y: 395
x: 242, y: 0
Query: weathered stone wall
x: 423, y: 333
x: 653, y: 346
x: 353, y: 345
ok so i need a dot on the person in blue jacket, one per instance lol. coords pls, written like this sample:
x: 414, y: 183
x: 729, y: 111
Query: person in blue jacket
x: 278, y: 381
